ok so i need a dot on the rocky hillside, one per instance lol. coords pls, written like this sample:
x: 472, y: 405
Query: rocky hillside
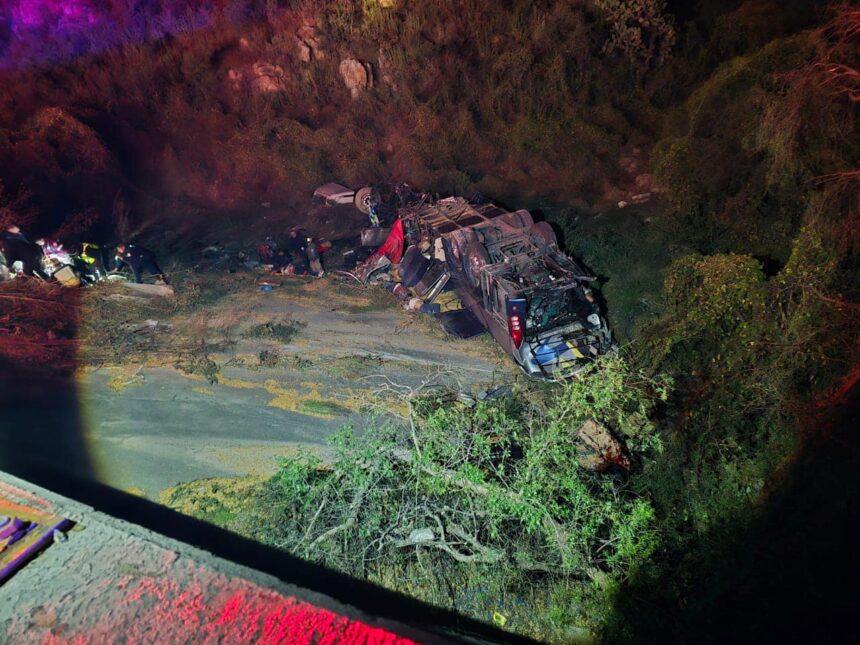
x: 172, y: 114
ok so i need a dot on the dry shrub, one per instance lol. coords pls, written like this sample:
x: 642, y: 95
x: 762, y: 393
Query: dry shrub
x: 38, y: 322
x: 16, y: 209
x: 77, y: 224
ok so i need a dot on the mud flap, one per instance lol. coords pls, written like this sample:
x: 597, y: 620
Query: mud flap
x: 460, y: 323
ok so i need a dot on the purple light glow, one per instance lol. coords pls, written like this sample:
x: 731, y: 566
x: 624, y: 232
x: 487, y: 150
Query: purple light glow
x: 38, y: 32
x: 62, y: 13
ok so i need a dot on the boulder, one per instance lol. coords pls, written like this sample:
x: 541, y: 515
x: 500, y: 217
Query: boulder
x: 644, y: 181
x: 266, y: 78
x: 303, y: 51
x: 308, y: 42
x: 357, y: 76
x: 235, y: 76
x: 598, y: 449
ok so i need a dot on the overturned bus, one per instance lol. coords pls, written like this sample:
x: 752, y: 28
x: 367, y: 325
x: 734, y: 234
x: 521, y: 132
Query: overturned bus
x: 511, y: 275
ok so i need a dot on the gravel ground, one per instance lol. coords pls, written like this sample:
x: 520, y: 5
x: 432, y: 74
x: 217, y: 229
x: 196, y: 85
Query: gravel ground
x: 148, y: 426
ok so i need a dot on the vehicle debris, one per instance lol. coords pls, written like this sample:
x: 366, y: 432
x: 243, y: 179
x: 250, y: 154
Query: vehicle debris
x: 495, y: 393
x: 374, y: 236
x: 333, y: 193
x: 508, y: 273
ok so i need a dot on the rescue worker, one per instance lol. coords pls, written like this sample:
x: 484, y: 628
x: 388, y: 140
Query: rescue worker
x: 296, y: 244
x: 314, y: 263
x: 90, y: 253
x: 13, y: 232
x: 55, y: 256
x: 54, y: 249
x: 139, y: 260
x: 89, y: 262
x: 296, y: 250
x: 15, y: 247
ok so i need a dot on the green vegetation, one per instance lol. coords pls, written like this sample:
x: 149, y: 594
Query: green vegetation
x: 621, y: 248
x: 283, y: 332
x: 198, y: 361
x: 269, y: 358
x: 220, y: 501
x: 524, y: 108
x: 114, y: 327
x: 487, y: 497
x: 353, y: 366
x: 302, y: 364
x: 322, y: 408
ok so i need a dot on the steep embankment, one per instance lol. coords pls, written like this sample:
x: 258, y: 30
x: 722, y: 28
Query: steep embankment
x: 225, y: 118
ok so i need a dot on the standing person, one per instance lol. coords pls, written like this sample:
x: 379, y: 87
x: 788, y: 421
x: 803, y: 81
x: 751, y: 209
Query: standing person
x: 13, y: 232
x: 16, y: 247
x: 297, y: 249
x: 90, y: 262
x: 296, y: 244
x: 140, y: 260
x: 314, y: 259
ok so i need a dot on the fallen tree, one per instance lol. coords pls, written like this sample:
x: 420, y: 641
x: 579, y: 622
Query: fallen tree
x: 496, y: 483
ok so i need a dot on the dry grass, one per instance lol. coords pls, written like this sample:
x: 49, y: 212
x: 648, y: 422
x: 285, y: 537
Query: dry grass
x: 535, y: 117
x: 114, y: 330
x: 38, y: 323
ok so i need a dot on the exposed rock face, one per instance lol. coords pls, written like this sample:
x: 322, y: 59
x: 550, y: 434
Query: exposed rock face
x: 308, y: 44
x: 598, y: 449
x: 266, y: 78
x: 304, y: 50
x: 357, y: 76
x: 262, y: 78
